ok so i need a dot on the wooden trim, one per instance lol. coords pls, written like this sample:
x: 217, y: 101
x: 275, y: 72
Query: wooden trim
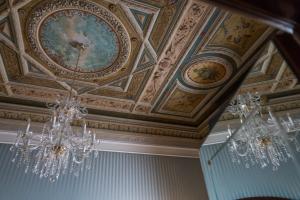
x: 290, y: 50
x: 270, y: 12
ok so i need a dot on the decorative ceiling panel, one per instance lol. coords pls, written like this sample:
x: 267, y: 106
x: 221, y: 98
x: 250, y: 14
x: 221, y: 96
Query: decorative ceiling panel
x: 151, y: 67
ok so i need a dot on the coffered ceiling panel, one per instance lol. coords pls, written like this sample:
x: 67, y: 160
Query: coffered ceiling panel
x: 148, y: 67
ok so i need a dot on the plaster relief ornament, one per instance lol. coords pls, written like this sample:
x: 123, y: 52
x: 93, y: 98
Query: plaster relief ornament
x: 55, y: 25
x: 173, y: 53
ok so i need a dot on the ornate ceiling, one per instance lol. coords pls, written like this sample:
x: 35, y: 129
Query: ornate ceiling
x: 149, y: 67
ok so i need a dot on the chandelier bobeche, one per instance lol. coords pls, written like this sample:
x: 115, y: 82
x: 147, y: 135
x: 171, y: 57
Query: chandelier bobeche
x: 261, y: 141
x: 59, y: 147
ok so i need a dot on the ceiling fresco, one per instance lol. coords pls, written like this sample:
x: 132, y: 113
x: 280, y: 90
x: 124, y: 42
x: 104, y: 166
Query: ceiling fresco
x: 54, y: 28
x: 59, y: 31
x: 147, y: 66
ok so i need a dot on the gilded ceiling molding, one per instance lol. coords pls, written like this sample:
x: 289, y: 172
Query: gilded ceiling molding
x: 108, y: 124
x: 89, y: 101
x: 178, y: 44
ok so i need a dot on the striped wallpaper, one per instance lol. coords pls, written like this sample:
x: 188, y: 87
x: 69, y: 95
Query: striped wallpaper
x: 114, y: 176
x: 227, y: 181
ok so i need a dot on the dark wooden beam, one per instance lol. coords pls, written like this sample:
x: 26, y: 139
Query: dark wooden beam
x: 282, y: 14
x: 290, y: 50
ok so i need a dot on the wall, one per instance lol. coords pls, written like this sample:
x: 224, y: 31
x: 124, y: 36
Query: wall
x: 114, y: 176
x: 227, y: 180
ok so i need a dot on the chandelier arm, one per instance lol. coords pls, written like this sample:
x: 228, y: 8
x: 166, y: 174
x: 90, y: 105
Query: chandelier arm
x: 231, y: 136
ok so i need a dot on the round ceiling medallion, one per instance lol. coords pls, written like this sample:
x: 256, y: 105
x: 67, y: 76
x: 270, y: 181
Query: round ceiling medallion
x: 56, y: 28
x: 207, y: 73
x: 60, y: 30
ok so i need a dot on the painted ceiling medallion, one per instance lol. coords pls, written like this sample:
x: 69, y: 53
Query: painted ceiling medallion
x: 207, y: 73
x: 55, y: 26
x: 61, y: 29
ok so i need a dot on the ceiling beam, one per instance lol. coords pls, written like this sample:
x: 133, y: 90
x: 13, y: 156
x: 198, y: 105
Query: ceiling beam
x: 290, y: 49
x: 283, y: 15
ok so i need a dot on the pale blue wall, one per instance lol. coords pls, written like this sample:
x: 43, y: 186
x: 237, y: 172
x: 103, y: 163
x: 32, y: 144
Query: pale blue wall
x: 114, y: 176
x: 227, y: 181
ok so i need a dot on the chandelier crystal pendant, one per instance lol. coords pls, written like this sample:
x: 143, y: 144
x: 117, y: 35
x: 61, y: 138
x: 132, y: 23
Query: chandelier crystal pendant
x: 59, y: 148
x: 260, y: 140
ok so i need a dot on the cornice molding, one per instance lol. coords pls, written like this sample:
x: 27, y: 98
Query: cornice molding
x: 41, y: 115
x: 117, y: 141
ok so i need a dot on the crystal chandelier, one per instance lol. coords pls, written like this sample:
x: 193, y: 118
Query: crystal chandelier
x: 260, y: 140
x: 59, y: 147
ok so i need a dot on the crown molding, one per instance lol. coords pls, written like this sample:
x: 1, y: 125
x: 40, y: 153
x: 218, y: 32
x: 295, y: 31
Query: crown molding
x: 118, y: 141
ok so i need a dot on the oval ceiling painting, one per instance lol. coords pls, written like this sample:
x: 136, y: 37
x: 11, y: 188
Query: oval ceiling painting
x: 62, y: 30
x: 207, y: 73
x: 62, y: 34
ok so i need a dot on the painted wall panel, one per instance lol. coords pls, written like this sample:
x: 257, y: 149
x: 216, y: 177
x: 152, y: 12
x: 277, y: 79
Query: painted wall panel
x: 226, y: 180
x: 114, y: 176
